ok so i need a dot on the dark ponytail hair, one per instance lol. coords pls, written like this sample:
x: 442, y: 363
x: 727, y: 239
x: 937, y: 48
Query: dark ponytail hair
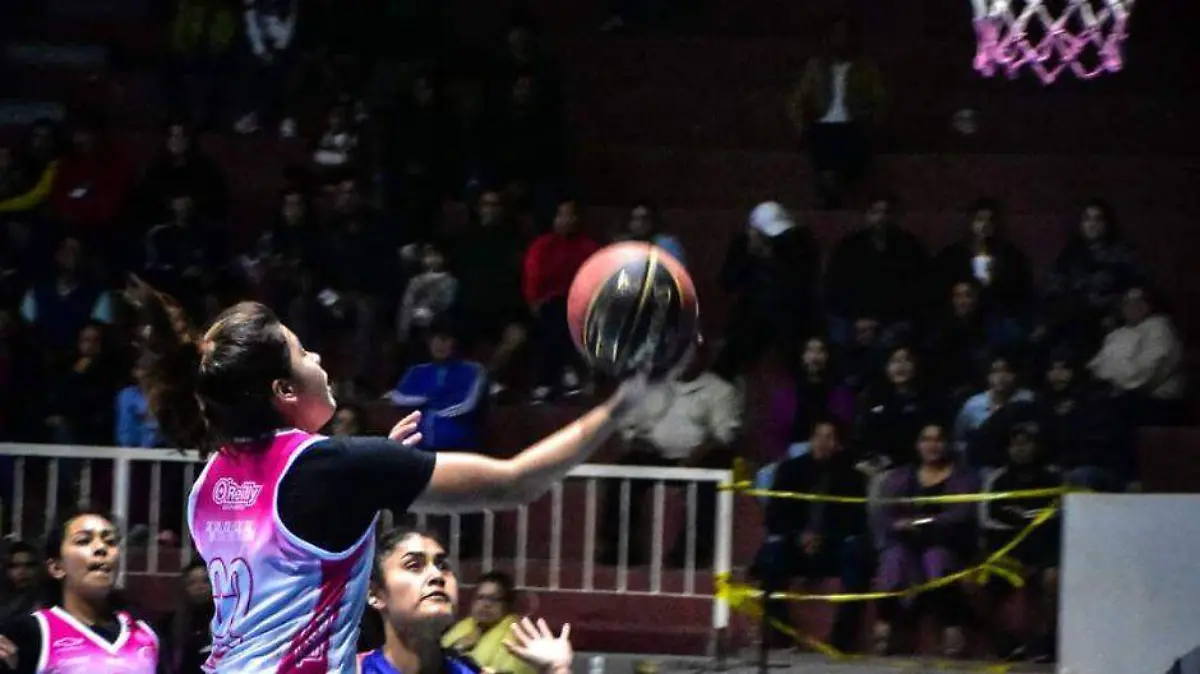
x: 209, y: 389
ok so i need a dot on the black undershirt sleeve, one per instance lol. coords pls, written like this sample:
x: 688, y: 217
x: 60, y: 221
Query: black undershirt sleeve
x: 335, y: 487
x: 27, y: 637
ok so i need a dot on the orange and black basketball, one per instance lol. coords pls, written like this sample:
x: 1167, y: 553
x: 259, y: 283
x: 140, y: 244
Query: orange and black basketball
x: 632, y: 305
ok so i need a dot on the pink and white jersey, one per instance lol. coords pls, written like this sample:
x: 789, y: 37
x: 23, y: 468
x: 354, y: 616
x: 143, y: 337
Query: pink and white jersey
x: 283, y: 605
x: 70, y: 647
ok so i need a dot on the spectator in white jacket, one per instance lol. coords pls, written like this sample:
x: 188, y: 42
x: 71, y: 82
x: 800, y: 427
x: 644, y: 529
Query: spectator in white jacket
x: 271, y: 38
x: 1143, y: 362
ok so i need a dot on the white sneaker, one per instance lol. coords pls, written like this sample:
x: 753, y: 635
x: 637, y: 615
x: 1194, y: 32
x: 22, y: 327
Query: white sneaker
x: 287, y: 128
x: 496, y: 389
x: 540, y: 394
x: 246, y: 124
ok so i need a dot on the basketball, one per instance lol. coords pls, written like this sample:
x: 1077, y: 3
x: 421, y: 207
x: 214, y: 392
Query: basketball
x: 632, y: 305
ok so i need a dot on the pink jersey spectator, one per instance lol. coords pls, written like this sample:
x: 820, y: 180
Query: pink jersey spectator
x: 70, y: 647
x: 283, y: 606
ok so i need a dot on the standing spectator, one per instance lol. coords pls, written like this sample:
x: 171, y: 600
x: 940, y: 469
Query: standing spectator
x: 427, y: 298
x: 21, y: 590
x: 1039, y: 553
x: 836, y: 107
x: 202, y: 38
x: 924, y: 542
x: 1003, y: 388
x: 1089, y: 276
x: 91, y: 186
x: 550, y: 266
x: 693, y: 421
x: 136, y: 427
x: 61, y: 306
x: 181, y: 166
x: 488, y: 262
x: 645, y: 224
x: 771, y: 268
x: 449, y: 392
x: 184, y: 632
x: 817, y: 540
x: 270, y: 36
x: 877, y: 272
x: 482, y: 634
x: 1143, y: 363
x: 524, y: 142
x: 999, y: 267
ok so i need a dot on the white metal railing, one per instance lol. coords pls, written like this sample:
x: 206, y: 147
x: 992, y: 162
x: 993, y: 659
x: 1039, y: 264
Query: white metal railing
x: 86, y: 461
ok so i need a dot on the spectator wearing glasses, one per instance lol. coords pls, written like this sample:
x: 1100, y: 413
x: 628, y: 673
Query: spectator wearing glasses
x: 482, y: 634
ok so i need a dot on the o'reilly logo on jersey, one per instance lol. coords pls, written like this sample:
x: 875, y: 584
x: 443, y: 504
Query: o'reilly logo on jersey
x: 233, y: 495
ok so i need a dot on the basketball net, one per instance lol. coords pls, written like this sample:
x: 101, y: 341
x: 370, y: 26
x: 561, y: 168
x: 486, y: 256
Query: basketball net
x: 1086, y: 37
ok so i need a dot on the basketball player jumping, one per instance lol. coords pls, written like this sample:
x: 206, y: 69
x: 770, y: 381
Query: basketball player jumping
x: 285, y: 518
x: 81, y: 632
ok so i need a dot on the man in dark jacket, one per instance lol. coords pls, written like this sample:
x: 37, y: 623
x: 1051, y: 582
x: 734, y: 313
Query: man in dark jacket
x: 815, y: 539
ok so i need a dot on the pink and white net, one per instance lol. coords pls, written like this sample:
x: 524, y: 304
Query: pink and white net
x: 1085, y: 37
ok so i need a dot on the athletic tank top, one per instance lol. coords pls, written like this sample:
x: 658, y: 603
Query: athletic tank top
x: 282, y: 605
x: 70, y: 647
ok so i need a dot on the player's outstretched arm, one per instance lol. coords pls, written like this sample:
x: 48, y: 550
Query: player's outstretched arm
x: 463, y: 482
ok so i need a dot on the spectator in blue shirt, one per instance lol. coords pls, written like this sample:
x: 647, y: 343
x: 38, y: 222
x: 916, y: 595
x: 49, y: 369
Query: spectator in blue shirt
x: 449, y: 392
x: 1003, y: 388
x: 136, y: 427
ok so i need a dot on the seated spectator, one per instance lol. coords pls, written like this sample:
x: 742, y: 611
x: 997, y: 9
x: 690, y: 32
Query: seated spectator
x: 348, y: 420
x: 835, y: 107
x: 184, y: 633
x: 1039, y: 553
x: 524, y: 53
x: 338, y: 145
x: 78, y: 405
x: 136, y: 427
x: 999, y: 268
x: 41, y: 163
x: 286, y: 252
x: 771, y: 269
x: 449, y: 392
x: 420, y: 156
x: 428, y: 298
x: 1003, y: 388
x: 487, y: 261
x: 1088, y: 278
x: 93, y: 181
x: 816, y: 540
x: 963, y: 339
x: 924, y: 542
x: 181, y: 167
x: 482, y: 634
x: 22, y: 594
x: 524, y: 143
x: 1142, y: 361
x: 692, y: 421
x: 20, y: 370
x: 894, y: 414
x: 550, y: 266
x: 23, y: 255
x: 61, y: 306
x: 186, y: 256
x: 645, y: 224
x: 880, y: 271
x: 864, y: 358
x: 812, y: 392
x: 1081, y: 430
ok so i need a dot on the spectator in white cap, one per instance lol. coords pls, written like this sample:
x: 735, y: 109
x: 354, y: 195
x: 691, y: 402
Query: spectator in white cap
x: 771, y: 267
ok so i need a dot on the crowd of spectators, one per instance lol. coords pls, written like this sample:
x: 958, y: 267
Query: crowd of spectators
x: 906, y: 371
